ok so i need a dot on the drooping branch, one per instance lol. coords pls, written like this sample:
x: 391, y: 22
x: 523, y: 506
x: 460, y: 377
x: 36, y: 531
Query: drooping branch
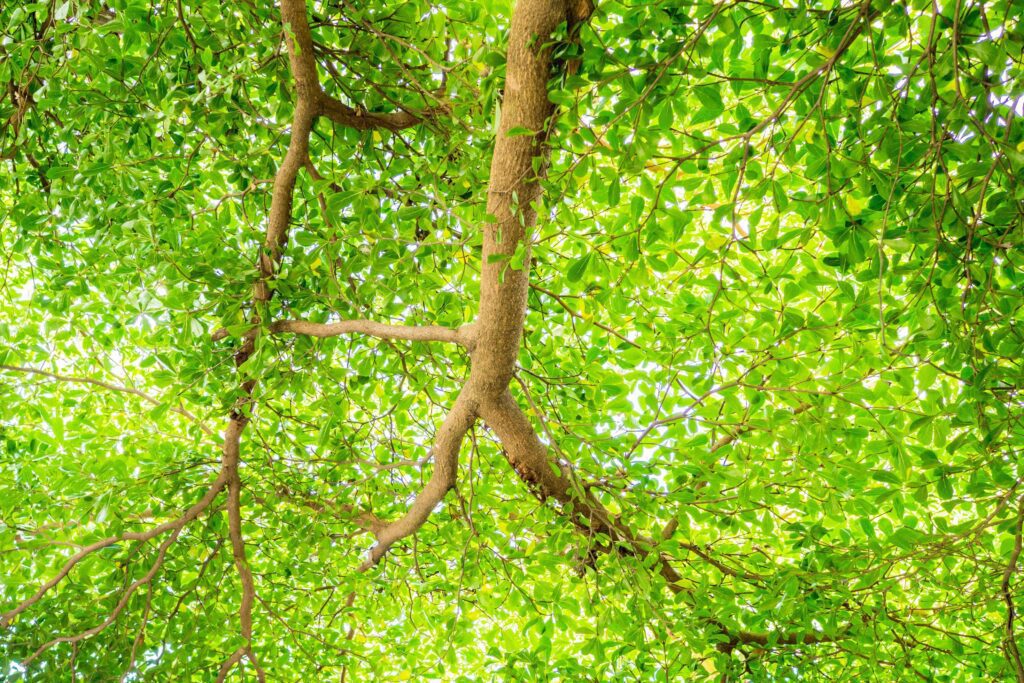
x: 242, y: 566
x: 173, y: 525
x: 556, y: 480
x: 446, y: 462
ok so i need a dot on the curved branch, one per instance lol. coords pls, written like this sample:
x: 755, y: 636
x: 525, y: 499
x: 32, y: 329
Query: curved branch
x: 548, y: 478
x: 116, y: 612
x: 229, y: 471
x: 303, y: 64
x: 112, y: 387
x: 241, y: 564
x: 173, y: 525
x: 307, y: 105
x: 446, y: 462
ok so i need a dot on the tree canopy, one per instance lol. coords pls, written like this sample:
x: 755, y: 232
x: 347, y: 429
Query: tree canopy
x: 475, y: 340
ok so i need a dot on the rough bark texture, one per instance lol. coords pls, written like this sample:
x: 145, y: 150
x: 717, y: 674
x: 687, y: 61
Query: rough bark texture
x: 510, y: 198
x: 517, y: 166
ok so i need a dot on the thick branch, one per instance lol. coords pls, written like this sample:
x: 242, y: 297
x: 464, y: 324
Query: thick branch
x: 516, y: 167
x: 303, y: 66
x: 427, y: 333
x: 446, y: 462
x: 531, y: 461
x: 514, y: 185
x: 341, y: 113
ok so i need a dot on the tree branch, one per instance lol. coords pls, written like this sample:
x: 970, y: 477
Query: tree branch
x: 1010, y: 639
x: 529, y: 457
x: 360, y: 119
x: 446, y: 462
x: 303, y: 63
x: 174, y: 525
x: 427, y: 333
x: 161, y: 554
x: 241, y: 564
x: 727, y: 439
x: 364, y: 518
x: 112, y: 387
x: 303, y: 69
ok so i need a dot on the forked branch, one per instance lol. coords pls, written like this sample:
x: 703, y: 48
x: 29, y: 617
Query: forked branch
x: 303, y: 64
x: 174, y: 525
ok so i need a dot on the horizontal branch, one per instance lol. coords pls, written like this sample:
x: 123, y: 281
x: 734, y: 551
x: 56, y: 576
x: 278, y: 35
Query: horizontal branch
x: 360, y: 119
x: 463, y: 336
x: 459, y: 335
x: 112, y: 387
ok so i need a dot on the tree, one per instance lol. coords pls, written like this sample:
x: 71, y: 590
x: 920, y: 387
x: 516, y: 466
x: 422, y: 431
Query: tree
x: 387, y: 341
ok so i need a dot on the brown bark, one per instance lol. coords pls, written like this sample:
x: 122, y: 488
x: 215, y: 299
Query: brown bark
x: 310, y: 103
x: 517, y: 165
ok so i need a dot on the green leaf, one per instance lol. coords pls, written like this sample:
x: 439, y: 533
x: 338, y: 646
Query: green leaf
x: 578, y: 268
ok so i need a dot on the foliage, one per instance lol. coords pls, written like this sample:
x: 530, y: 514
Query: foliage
x: 773, y: 325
